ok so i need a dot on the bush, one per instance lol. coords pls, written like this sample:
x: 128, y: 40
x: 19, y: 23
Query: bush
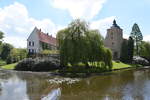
x: 46, y: 65
x: 2, y: 63
x: 48, y: 52
x: 140, y: 60
x: 38, y: 64
x: 16, y: 55
x: 25, y: 65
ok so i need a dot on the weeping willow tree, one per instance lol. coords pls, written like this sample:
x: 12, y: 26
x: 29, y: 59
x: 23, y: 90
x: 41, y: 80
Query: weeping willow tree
x: 77, y: 43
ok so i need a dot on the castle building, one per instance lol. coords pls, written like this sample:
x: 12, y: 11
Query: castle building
x: 114, y: 39
x: 38, y: 41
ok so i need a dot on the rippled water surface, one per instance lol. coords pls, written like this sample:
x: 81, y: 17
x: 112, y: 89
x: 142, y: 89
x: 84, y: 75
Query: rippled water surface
x: 122, y: 85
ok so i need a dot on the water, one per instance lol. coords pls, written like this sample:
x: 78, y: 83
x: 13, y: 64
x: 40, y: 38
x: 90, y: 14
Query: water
x: 121, y: 85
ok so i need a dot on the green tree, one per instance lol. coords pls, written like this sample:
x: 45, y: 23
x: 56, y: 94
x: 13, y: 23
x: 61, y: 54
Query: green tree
x: 124, y: 51
x: 78, y: 43
x: 1, y: 37
x: 6, y: 49
x: 137, y: 36
x: 130, y: 49
x: 16, y: 54
x: 145, y: 50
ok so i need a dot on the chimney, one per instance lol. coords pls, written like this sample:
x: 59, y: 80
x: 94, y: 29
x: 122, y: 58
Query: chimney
x: 47, y: 34
x: 40, y: 30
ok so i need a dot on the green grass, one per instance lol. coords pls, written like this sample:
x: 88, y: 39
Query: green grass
x: 116, y: 65
x: 120, y: 65
x: 9, y: 66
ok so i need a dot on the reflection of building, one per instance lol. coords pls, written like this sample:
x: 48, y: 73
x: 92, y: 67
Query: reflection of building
x: 37, y: 85
x: 114, y: 39
x: 38, y: 41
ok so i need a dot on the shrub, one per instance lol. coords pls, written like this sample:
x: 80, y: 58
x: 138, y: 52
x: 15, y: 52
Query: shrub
x: 47, y: 52
x: 25, y: 65
x: 2, y: 63
x: 46, y: 65
x: 140, y: 60
x: 38, y: 64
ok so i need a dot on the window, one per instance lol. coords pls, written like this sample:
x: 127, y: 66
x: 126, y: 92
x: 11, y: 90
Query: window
x: 112, y: 43
x: 32, y: 43
x: 29, y: 43
x: 29, y: 50
x: 32, y: 50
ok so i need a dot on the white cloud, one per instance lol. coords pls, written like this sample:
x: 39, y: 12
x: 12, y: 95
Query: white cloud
x: 102, y: 24
x: 17, y: 25
x: 146, y: 38
x: 125, y: 36
x: 16, y: 41
x: 86, y: 9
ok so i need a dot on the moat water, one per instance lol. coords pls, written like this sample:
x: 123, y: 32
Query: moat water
x: 121, y: 85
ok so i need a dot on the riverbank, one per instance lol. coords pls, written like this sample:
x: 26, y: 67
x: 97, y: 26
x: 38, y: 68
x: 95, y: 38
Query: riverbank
x: 116, y: 66
x: 81, y: 72
x: 76, y: 75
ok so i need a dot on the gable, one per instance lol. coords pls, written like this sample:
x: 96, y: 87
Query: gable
x: 33, y: 35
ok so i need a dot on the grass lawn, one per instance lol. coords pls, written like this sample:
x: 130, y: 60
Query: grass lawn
x: 120, y: 65
x: 116, y: 65
x: 9, y: 66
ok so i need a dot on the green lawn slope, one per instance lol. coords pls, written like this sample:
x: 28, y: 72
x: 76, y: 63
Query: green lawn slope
x: 9, y: 66
x: 116, y: 65
x: 120, y: 65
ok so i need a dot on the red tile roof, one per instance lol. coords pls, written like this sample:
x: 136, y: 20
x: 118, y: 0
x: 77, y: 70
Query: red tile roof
x: 47, y: 38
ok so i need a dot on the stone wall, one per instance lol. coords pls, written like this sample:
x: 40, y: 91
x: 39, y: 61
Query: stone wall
x: 113, y: 41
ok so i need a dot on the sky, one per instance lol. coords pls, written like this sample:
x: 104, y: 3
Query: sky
x: 19, y: 17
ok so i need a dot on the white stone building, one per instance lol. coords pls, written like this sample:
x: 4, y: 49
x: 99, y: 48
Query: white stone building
x: 38, y: 41
x: 114, y: 39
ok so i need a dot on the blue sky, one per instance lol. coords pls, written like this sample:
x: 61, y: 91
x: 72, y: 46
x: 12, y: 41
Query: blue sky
x: 19, y: 17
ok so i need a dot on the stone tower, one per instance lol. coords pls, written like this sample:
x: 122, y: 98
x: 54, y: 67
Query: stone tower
x: 114, y: 39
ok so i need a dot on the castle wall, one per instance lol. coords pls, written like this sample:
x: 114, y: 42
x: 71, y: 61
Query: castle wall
x: 113, y: 41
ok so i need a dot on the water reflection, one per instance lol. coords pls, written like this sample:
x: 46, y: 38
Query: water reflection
x: 54, y: 95
x: 123, y: 85
x: 13, y: 88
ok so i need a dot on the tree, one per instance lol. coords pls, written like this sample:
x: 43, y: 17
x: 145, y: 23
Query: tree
x: 127, y: 50
x: 130, y: 49
x: 16, y: 54
x: 78, y: 43
x: 1, y: 37
x: 72, y: 45
x: 124, y: 51
x: 145, y: 50
x: 6, y: 49
x: 137, y: 37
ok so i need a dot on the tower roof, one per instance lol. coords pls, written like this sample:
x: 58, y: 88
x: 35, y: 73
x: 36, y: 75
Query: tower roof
x: 115, y: 24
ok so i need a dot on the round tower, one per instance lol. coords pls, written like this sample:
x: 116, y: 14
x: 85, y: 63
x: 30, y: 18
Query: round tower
x: 114, y: 39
